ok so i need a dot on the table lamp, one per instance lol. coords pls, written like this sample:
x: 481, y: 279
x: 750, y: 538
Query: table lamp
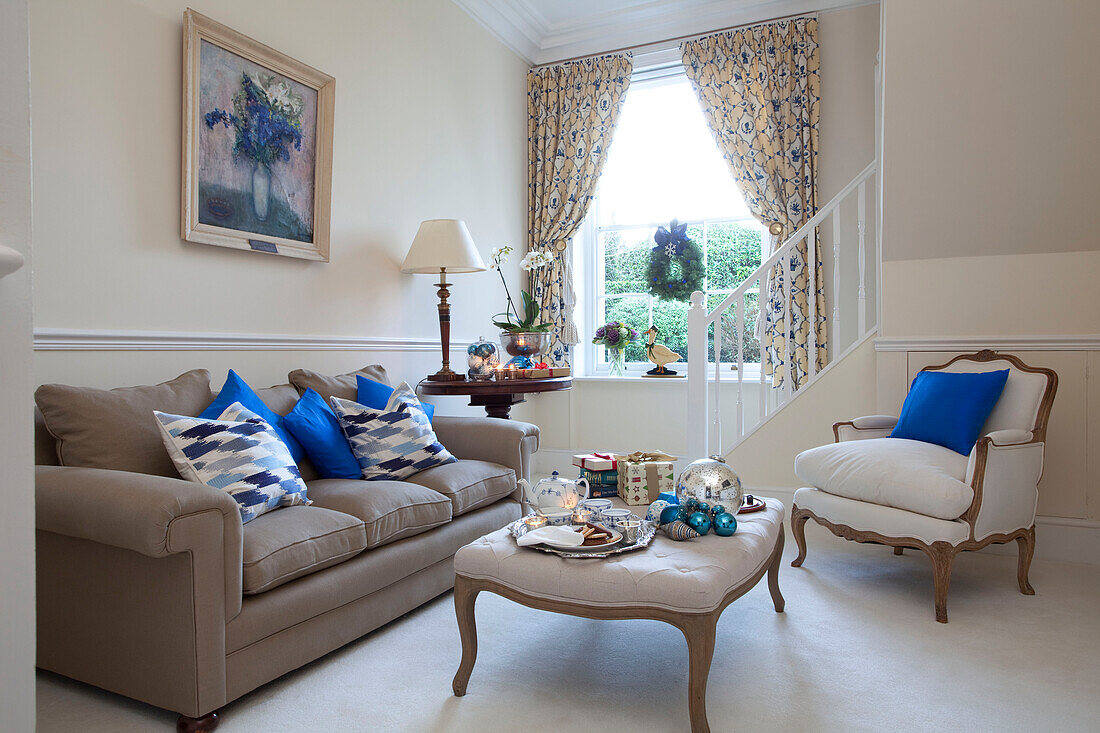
x: 441, y: 245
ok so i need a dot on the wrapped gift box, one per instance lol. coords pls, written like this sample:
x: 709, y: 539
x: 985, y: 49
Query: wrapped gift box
x: 644, y: 476
x: 595, y: 461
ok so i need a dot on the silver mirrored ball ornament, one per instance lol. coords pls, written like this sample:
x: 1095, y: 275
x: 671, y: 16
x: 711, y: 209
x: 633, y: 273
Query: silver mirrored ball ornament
x: 710, y: 480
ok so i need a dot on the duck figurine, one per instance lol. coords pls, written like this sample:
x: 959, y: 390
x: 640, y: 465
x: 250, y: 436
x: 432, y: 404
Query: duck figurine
x: 660, y: 355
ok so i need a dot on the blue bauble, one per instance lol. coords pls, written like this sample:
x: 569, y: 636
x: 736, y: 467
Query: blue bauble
x: 669, y: 515
x: 520, y: 362
x: 691, y: 505
x: 471, y: 349
x: 717, y: 509
x: 725, y: 524
x: 682, y: 514
x: 703, y: 507
x: 700, y: 522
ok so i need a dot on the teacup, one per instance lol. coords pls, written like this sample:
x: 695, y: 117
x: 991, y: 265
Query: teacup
x: 598, y: 507
x: 630, y: 529
x: 556, y: 516
x: 612, y: 515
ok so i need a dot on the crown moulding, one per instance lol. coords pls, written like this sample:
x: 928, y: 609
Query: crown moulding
x: 524, y: 28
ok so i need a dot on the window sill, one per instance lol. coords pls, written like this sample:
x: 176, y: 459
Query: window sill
x: 730, y: 379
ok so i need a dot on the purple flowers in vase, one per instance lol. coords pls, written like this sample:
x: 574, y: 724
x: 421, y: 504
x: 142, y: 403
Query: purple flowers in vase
x: 615, y: 336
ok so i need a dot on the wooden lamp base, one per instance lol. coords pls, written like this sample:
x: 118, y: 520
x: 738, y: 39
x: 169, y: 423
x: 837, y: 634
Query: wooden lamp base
x: 445, y: 374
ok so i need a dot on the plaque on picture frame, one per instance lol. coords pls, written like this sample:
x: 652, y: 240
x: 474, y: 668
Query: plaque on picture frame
x: 257, y: 145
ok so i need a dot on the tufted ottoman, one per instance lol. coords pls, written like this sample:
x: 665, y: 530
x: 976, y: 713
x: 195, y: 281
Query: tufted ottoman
x: 687, y: 584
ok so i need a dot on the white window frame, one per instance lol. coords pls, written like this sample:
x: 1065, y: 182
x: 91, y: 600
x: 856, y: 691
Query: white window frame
x: 590, y: 271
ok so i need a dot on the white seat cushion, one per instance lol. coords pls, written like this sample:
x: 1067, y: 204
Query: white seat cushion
x: 883, y: 520
x: 905, y: 474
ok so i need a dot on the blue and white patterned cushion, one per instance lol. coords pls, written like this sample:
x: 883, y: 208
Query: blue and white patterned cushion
x: 239, y: 453
x: 393, y: 443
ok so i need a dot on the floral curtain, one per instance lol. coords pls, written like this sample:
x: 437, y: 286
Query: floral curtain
x: 572, y: 111
x: 760, y: 90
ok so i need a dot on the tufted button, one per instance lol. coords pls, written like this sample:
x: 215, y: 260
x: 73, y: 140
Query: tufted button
x: 683, y: 570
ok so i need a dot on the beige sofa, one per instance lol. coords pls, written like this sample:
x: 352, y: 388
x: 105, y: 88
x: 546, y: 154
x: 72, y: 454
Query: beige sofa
x: 151, y: 587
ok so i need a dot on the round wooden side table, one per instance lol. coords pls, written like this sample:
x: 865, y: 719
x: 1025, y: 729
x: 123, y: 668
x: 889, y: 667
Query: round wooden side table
x: 497, y: 397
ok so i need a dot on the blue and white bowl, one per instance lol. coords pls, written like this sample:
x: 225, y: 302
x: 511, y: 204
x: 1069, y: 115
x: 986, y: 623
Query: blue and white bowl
x: 598, y: 507
x: 614, y: 514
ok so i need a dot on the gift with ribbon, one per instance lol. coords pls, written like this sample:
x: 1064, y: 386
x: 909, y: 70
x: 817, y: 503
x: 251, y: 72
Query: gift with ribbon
x: 643, y: 475
x: 595, y: 461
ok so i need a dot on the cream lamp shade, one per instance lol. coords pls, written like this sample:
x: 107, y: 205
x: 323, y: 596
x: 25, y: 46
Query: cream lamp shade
x: 442, y: 244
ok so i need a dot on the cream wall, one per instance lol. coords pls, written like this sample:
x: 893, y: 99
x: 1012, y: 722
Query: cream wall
x: 430, y: 122
x: 989, y: 164
x: 637, y: 414
x: 16, y: 452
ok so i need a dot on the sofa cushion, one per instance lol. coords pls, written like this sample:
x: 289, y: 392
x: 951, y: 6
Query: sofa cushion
x: 239, y: 453
x: 376, y: 394
x: 468, y: 484
x: 236, y: 389
x: 391, y: 510
x: 115, y: 428
x: 343, y: 386
x: 315, y: 426
x: 394, y: 443
x: 287, y: 544
x: 905, y: 474
x: 281, y: 399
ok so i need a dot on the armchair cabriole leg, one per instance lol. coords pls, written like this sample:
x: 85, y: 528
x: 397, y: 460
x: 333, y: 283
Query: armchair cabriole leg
x: 943, y: 556
x: 899, y: 550
x: 1026, y: 543
x: 205, y: 724
x: 798, y: 529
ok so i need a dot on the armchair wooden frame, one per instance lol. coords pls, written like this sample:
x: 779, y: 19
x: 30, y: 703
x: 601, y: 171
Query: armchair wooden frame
x: 942, y: 554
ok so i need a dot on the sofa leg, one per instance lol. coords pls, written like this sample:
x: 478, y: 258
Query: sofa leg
x: 1026, y: 543
x: 798, y: 529
x: 943, y: 556
x: 899, y: 550
x: 205, y: 724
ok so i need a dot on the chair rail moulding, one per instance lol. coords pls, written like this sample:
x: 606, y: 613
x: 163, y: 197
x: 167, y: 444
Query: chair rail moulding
x: 1090, y: 342
x: 64, y: 339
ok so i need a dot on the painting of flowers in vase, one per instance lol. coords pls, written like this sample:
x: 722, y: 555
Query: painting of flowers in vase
x: 258, y: 145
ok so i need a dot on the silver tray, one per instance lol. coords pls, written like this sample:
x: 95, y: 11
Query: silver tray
x: 645, y: 536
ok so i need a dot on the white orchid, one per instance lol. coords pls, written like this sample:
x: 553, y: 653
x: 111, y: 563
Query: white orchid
x: 535, y: 260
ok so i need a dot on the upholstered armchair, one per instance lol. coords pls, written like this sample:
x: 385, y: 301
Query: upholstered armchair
x: 868, y: 487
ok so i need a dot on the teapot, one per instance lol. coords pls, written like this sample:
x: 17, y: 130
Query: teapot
x: 554, y: 493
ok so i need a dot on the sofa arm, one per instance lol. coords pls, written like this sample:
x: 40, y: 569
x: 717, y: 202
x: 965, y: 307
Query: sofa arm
x: 1005, y: 476
x: 864, y: 428
x: 507, y: 442
x: 156, y: 516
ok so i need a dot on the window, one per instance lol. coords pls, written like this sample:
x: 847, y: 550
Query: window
x: 663, y: 164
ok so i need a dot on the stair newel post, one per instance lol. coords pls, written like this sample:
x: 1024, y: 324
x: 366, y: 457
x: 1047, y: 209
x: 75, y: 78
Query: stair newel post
x: 698, y: 423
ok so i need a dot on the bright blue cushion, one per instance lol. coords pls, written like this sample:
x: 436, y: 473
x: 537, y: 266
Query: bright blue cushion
x: 315, y: 426
x: 949, y: 408
x: 375, y: 395
x: 236, y: 389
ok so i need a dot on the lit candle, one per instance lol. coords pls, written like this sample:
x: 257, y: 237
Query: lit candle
x: 535, y: 522
x: 582, y: 516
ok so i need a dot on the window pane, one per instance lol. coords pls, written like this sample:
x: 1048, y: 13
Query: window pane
x: 670, y: 318
x: 625, y: 256
x: 733, y: 252
x: 634, y: 312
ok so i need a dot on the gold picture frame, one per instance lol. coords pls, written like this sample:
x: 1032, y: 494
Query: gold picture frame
x: 257, y: 145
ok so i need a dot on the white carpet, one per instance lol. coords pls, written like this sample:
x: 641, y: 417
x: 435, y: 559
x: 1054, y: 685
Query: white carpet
x: 857, y: 650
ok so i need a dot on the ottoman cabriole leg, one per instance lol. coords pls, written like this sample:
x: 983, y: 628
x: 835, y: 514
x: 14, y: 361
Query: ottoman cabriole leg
x: 465, y: 596
x: 773, y: 573
x: 699, y: 632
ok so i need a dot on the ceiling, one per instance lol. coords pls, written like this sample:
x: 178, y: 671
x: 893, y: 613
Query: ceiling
x: 541, y: 31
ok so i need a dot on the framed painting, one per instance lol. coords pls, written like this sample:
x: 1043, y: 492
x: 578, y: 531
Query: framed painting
x: 257, y: 145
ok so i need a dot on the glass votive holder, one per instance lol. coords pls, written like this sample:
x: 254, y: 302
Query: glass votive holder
x: 630, y: 529
x: 536, y: 521
x: 582, y: 516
